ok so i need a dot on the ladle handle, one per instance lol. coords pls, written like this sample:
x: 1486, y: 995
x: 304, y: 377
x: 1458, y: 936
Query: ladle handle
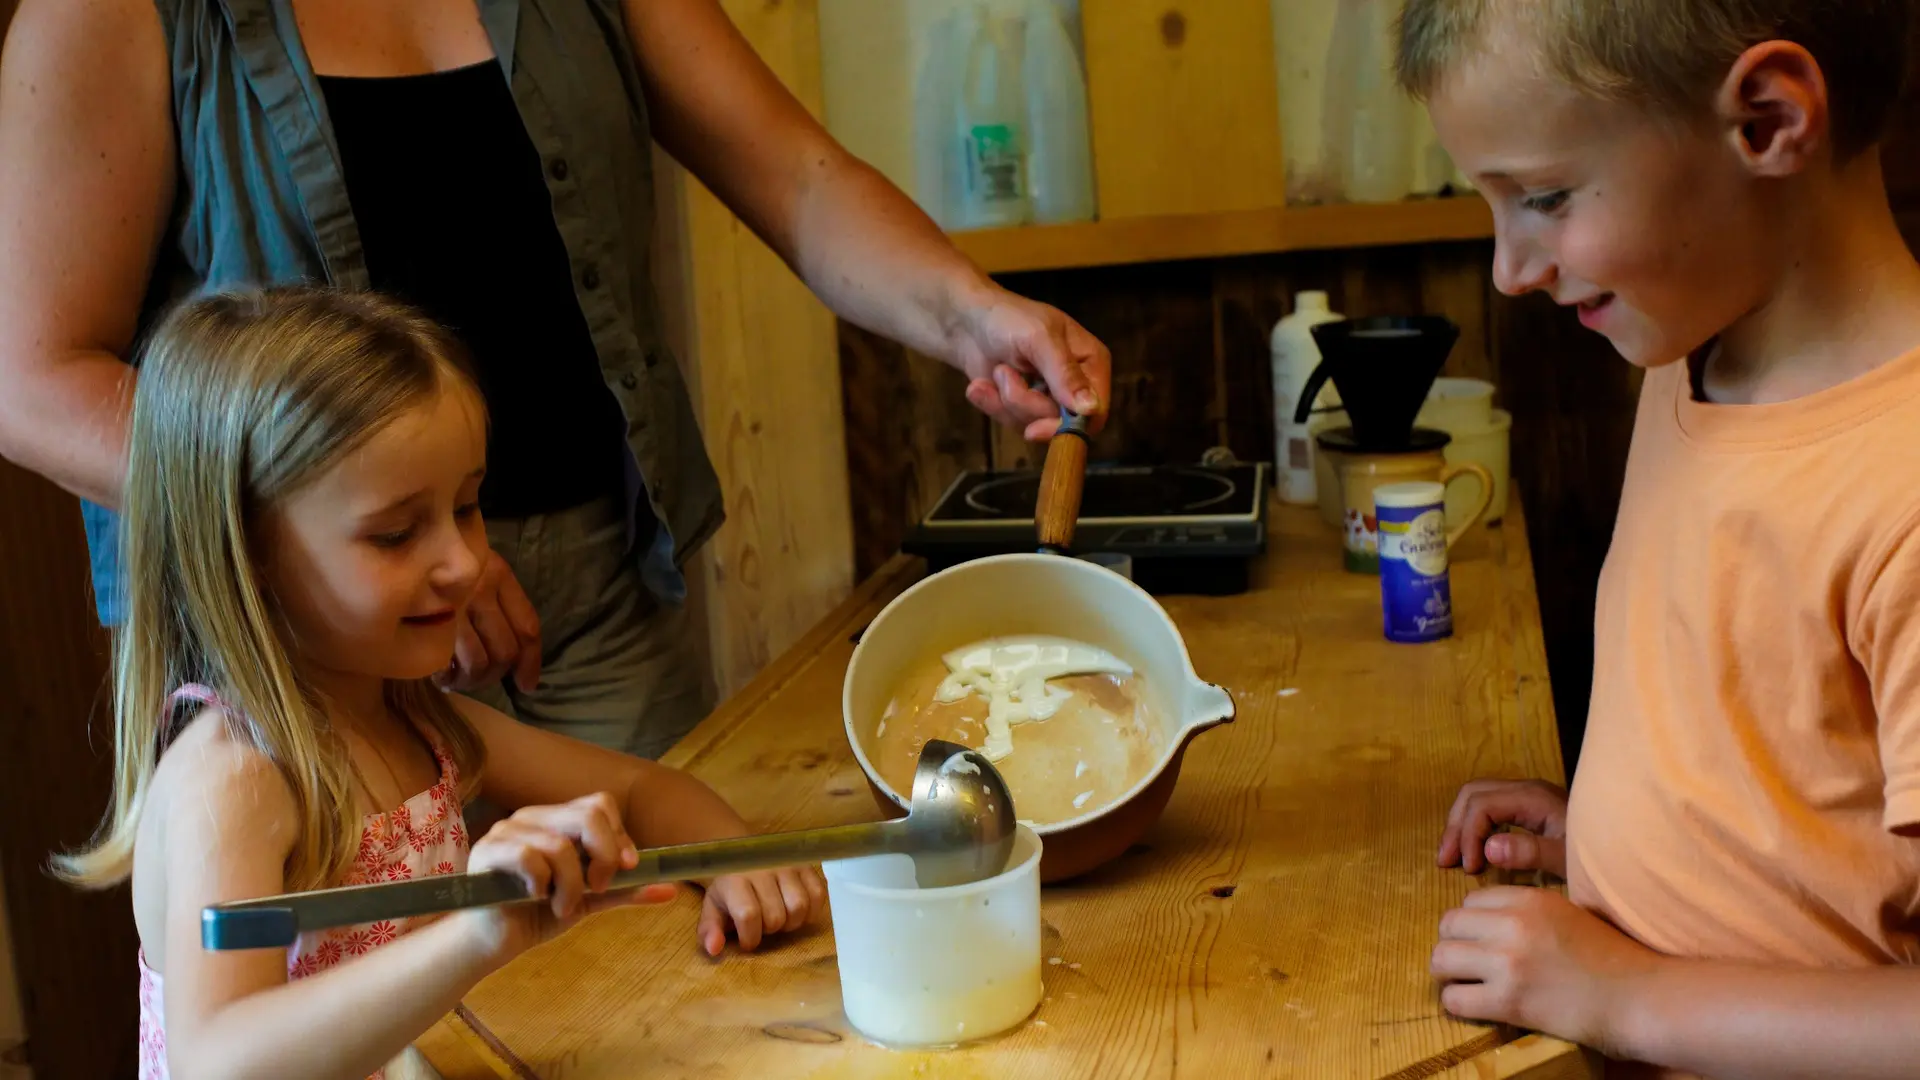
x: 1061, y: 482
x: 276, y: 921
x: 713, y: 858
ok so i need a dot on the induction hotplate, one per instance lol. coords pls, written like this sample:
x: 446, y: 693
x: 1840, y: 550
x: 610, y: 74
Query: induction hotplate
x: 1188, y: 528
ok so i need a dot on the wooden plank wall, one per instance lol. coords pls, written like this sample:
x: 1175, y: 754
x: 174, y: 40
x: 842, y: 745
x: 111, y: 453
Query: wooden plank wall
x: 759, y: 351
x: 1191, y: 371
x: 1154, y: 69
x: 74, y: 952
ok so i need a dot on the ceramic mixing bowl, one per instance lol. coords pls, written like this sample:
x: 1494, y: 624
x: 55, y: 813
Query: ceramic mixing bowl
x: 1006, y: 595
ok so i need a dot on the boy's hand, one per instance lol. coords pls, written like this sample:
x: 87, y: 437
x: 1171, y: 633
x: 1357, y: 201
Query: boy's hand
x: 566, y: 854
x: 1529, y: 957
x: 1482, y: 806
x: 757, y: 904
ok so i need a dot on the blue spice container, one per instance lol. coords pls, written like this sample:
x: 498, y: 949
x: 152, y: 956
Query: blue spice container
x: 1416, y: 594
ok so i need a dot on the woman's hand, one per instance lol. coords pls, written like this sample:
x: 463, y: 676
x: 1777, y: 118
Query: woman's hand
x: 545, y: 846
x: 999, y: 339
x: 1529, y: 957
x: 499, y: 632
x: 1483, y: 805
x: 758, y: 904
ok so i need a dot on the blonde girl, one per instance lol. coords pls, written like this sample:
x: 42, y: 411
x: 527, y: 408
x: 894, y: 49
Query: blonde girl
x: 301, y: 537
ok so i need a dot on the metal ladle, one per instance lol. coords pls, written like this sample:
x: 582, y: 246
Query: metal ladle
x: 959, y: 830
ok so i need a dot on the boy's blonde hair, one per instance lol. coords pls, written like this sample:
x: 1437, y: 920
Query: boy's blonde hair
x: 242, y: 398
x: 1672, y: 54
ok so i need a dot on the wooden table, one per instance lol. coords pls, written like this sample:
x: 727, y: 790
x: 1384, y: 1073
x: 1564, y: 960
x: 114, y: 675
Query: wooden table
x: 1277, y: 922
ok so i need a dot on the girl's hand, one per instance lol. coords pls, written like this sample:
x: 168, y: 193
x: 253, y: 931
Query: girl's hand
x: 1529, y: 957
x: 767, y: 902
x: 566, y: 854
x: 1483, y: 805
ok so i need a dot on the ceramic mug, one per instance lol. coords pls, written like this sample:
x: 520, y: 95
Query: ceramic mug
x: 1361, y: 472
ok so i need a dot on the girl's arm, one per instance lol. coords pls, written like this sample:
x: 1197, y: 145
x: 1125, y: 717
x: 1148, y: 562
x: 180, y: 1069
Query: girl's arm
x: 660, y: 806
x: 234, y: 1014
x: 1752, y: 1023
x: 530, y: 767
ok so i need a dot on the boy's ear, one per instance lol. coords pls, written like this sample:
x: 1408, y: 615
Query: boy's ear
x: 1772, y: 107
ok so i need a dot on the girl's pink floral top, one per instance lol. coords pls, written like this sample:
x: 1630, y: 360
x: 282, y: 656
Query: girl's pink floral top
x: 422, y: 836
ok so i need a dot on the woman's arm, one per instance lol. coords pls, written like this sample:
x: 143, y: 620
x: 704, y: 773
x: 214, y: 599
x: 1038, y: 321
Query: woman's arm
x: 856, y: 240
x: 235, y: 1014
x: 86, y: 183
x: 859, y: 243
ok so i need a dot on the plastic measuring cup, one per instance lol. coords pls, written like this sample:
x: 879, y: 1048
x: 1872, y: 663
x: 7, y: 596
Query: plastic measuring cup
x: 937, y: 967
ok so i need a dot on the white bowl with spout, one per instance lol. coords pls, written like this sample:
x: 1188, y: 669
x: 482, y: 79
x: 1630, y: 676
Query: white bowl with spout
x: 1006, y: 595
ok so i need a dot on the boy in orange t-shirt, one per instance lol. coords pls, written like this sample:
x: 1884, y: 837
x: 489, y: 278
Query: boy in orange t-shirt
x: 1742, y: 843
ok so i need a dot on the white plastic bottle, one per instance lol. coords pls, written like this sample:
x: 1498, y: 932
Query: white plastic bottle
x: 1369, y: 142
x: 1059, y: 143
x: 993, y: 193
x: 936, y: 114
x: 1294, y: 357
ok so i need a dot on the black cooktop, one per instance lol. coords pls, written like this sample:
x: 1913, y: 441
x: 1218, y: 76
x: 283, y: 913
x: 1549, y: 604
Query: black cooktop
x: 1189, y: 528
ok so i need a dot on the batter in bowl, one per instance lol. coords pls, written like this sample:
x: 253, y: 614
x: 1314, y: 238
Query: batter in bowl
x: 1069, y: 726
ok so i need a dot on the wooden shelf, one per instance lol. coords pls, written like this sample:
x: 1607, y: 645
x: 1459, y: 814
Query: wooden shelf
x: 1244, y: 232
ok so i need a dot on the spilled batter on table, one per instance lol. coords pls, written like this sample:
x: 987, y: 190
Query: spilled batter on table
x: 1099, y: 737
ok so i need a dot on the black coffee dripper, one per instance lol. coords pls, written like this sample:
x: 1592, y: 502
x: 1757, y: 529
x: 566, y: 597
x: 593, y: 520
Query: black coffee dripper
x: 1383, y: 367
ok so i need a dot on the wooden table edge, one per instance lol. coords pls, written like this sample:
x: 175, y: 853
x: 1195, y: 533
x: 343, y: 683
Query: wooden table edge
x: 459, y: 1047
x: 1530, y: 1057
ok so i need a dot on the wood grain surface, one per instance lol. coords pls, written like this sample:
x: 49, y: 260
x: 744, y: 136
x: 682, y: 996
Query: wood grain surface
x: 759, y: 351
x: 1057, y: 510
x: 1183, y: 106
x: 1277, y: 922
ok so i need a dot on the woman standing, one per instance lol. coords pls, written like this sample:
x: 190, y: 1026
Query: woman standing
x: 489, y: 161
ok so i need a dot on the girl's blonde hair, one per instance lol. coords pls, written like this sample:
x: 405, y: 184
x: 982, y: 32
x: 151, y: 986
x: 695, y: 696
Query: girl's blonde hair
x: 242, y: 398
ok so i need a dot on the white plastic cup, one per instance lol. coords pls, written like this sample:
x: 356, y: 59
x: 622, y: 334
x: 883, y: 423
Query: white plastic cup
x: 937, y: 967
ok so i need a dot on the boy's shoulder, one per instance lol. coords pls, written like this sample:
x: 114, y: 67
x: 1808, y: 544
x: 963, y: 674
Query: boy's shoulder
x: 1823, y: 488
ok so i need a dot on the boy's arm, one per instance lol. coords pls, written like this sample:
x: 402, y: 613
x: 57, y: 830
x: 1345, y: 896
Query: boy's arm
x: 1734, y: 1022
x: 1531, y: 958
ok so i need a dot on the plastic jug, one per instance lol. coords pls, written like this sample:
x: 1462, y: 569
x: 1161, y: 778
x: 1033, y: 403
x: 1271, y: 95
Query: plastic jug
x: 1295, y: 356
x: 937, y: 967
x: 1059, y: 143
x: 992, y: 138
x: 1368, y: 127
x: 936, y: 115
